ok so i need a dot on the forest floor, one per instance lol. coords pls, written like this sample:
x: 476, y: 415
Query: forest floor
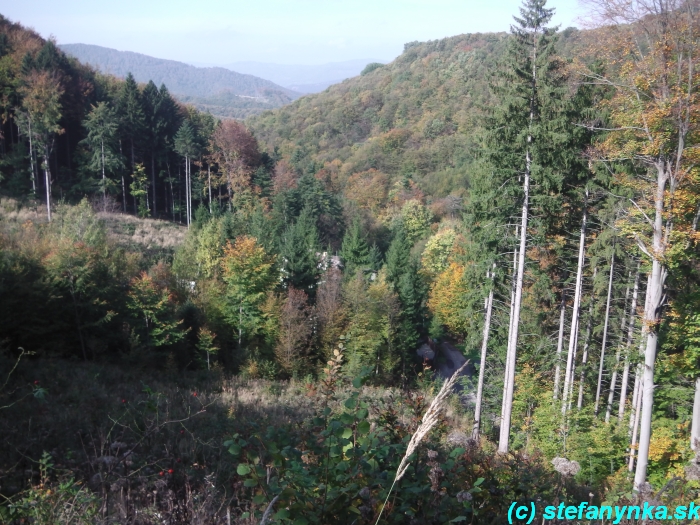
x: 145, y: 439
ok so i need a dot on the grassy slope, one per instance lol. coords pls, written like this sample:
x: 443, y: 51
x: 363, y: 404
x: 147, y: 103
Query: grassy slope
x: 116, y: 428
x: 127, y: 230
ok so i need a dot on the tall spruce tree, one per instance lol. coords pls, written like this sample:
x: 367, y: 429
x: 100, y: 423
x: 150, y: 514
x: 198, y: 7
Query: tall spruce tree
x: 398, y: 257
x: 523, y: 142
x: 102, y: 125
x: 298, y: 248
x: 130, y: 111
x: 355, y: 251
x: 154, y: 125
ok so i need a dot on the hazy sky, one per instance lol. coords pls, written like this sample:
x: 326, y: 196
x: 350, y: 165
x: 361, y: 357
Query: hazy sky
x: 281, y: 31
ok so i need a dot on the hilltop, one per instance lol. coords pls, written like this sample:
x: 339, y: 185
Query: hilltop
x: 220, y: 91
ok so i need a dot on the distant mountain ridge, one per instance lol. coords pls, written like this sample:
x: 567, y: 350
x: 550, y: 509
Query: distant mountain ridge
x: 220, y: 91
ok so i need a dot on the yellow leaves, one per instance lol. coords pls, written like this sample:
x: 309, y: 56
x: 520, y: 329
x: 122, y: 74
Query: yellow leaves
x: 663, y: 447
x: 248, y: 273
x: 246, y: 260
x: 447, y: 298
x: 368, y: 189
x: 437, y: 252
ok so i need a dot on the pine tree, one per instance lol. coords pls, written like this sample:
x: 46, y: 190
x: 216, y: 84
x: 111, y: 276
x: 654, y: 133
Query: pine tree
x: 354, y: 252
x: 522, y: 147
x: 130, y: 111
x: 102, y: 126
x: 299, y: 245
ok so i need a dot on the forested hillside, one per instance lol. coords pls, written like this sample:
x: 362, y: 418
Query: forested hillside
x: 528, y: 201
x: 420, y: 117
x: 301, y: 77
x: 216, y: 90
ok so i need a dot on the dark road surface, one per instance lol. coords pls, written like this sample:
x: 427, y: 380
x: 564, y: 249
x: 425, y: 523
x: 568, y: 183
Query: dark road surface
x: 447, y: 361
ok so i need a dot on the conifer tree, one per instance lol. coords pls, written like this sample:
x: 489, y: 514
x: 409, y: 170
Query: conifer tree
x: 398, y: 256
x: 522, y: 142
x: 102, y: 126
x: 131, y: 125
x: 186, y: 146
x: 154, y: 125
x: 299, y: 245
x: 130, y: 109
x: 354, y: 251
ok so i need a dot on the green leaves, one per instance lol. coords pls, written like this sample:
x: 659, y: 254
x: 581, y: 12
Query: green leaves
x: 243, y: 469
x: 363, y: 427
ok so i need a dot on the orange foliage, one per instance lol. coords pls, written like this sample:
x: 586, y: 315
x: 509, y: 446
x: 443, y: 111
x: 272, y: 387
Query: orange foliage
x: 368, y: 189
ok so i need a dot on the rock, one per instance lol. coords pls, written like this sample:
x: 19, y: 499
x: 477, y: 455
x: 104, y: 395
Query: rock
x: 566, y: 467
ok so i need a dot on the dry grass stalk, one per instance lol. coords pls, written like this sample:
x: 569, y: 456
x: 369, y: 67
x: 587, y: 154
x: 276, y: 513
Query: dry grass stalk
x: 430, y: 419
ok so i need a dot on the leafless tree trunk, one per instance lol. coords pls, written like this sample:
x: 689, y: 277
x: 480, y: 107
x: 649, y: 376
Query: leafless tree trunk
x: 652, y: 315
x: 209, y: 185
x: 123, y: 181
x: 695, y: 426
x: 482, y: 362
x: 188, y: 189
x: 510, y: 328
x: 153, y: 181
x: 635, y: 428
x: 47, y: 175
x: 635, y: 396
x: 560, y: 344
x: 605, y: 334
x: 569, y: 374
x: 613, y: 379
x: 630, y: 338
x: 31, y: 155
x: 586, y: 346
x: 512, y: 351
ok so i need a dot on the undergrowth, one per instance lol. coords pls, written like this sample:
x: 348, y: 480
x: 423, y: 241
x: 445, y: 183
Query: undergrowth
x: 88, y: 443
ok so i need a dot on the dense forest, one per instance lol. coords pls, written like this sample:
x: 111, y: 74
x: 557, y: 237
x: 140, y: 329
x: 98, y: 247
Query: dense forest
x: 209, y: 321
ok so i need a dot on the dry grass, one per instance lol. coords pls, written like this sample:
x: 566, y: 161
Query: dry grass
x: 151, y: 234
x: 116, y: 429
x: 13, y: 212
x: 122, y: 433
x: 154, y: 238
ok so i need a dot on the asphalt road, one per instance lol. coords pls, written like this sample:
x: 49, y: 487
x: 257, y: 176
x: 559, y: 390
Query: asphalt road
x: 448, y: 360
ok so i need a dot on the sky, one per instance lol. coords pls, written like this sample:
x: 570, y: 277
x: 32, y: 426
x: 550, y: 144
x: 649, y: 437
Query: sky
x: 218, y: 32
